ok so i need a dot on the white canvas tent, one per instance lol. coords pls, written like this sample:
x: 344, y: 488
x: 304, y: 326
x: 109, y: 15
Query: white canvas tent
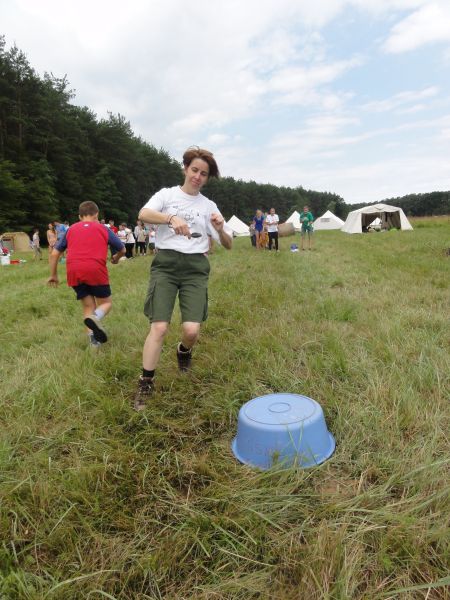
x: 238, y: 227
x: 295, y: 220
x: 391, y: 216
x: 328, y: 221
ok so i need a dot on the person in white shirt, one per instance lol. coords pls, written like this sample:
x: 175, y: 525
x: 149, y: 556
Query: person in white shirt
x: 122, y: 233
x: 126, y: 236
x: 151, y: 237
x: 36, y: 245
x: 272, y: 221
x: 140, y: 237
x: 186, y: 220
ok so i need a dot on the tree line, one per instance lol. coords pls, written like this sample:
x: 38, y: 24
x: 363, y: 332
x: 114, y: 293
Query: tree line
x: 54, y: 155
x: 419, y: 205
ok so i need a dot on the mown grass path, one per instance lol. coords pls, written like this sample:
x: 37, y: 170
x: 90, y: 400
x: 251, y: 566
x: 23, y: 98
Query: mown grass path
x: 97, y: 501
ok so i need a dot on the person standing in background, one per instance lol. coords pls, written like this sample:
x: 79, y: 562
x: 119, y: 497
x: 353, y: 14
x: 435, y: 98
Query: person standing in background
x: 252, y: 232
x: 151, y: 233
x: 140, y: 235
x: 258, y: 222
x: 306, y: 219
x: 113, y: 227
x: 272, y: 221
x: 130, y: 242
x: 36, y: 245
x: 51, y: 238
x: 126, y: 236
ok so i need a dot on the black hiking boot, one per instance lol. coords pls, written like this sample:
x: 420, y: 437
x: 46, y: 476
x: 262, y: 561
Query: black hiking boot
x: 145, y: 391
x: 184, y: 359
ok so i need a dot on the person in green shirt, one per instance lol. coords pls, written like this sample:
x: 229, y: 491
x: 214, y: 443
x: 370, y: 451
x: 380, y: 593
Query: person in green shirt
x: 306, y: 219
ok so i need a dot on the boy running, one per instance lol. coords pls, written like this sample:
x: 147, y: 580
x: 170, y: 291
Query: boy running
x: 87, y: 243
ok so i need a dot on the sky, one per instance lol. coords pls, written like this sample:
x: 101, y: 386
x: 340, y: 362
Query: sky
x: 345, y: 96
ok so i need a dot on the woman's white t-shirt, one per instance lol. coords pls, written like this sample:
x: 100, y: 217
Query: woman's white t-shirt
x: 195, y: 210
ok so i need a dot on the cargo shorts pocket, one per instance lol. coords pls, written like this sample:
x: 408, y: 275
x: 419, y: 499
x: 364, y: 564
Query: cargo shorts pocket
x: 148, y: 304
x: 205, y: 311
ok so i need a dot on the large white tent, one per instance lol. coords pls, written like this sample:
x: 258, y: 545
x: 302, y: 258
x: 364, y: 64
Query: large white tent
x: 295, y: 220
x: 328, y: 221
x: 238, y: 227
x: 391, y: 216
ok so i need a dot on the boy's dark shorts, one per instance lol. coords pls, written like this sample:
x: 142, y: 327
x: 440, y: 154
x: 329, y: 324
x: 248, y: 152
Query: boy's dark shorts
x: 98, y: 291
x: 175, y: 273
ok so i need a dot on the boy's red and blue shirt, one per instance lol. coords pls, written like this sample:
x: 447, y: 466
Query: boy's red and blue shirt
x: 87, y: 244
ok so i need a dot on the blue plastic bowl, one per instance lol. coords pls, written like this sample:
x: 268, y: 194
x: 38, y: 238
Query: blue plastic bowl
x: 282, y: 428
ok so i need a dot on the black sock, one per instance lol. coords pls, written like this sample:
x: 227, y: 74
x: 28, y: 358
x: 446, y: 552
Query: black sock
x: 183, y: 348
x: 146, y: 373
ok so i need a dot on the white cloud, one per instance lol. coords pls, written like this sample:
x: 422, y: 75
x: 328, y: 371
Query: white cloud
x: 429, y: 24
x: 368, y: 181
x: 273, y: 71
x: 310, y: 85
x: 400, y: 99
x: 218, y: 139
x: 444, y: 135
x: 411, y: 109
x: 319, y: 135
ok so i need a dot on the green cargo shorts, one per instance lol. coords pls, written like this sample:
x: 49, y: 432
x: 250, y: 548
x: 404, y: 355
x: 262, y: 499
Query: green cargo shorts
x: 175, y: 273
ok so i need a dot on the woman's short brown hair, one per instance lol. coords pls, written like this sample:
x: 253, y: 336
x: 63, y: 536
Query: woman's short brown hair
x: 195, y: 152
x: 88, y: 209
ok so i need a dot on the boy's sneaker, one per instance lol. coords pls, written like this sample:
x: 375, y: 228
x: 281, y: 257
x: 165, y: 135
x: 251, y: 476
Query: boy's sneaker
x: 184, y: 359
x: 94, y: 324
x: 93, y: 343
x: 144, y: 392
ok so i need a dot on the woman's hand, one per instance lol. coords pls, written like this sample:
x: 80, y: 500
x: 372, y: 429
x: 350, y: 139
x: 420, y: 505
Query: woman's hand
x: 217, y: 221
x: 180, y: 226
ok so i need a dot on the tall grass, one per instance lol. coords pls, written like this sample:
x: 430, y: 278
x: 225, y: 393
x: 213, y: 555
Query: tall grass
x: 97, y: 501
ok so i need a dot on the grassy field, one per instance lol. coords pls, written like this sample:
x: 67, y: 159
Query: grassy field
x: 97, y: 501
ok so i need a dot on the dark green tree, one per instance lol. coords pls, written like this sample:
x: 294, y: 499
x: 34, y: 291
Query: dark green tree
x: 13, y: 214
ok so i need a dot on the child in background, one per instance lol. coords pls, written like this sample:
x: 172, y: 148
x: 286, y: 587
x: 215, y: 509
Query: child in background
x: 151, y: 230
x: 306, y: 219
x: 51, y: 239
x: 258, y: 222
x: 112, y: 226
x: 87, y: 249
x: 140, y: 237
x: 264, y: 239
x: 36, y: 245
x: 252, y: 232
x: 272, y: 221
